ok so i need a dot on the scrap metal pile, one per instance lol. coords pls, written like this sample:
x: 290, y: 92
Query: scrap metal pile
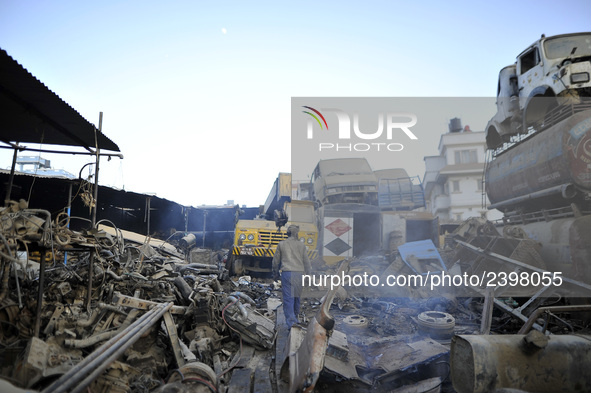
x: 89, y: 309
x: 105, y: 310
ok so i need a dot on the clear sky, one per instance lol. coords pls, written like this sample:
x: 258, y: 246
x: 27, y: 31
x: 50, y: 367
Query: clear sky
x: 197, y: 94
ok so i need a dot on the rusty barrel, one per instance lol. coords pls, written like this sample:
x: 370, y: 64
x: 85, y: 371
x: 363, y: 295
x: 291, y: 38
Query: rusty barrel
x: 533, y: 363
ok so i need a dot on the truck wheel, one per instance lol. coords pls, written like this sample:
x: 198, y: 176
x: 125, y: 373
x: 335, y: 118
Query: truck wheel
x: 537, y: 108
x: 238, y: 267
x: 234, y: 265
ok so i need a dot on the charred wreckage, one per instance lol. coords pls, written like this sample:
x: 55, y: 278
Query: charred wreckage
x: 97, y: 310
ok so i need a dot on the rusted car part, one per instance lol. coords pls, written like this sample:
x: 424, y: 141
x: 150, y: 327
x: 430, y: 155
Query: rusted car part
x: 554, y: 177
x: 384, y: 361
x: 565, y: 245
x: 43, y: 359
x: 549, y: 312
x: 514, y: 264
x: 193, y: 377
x: 305, y: 361
x: 533, y: 363
x: 534, y: 293
x: 253, y: 327
x: 129, y: 301
x: 66, y: 293
x: 437, y: 325
x: 81, y: 375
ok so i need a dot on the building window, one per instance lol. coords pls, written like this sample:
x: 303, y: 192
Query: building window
x: 458, y: 217
x: 479, y: 185
x: 455, y: 185
x: 466, y: 157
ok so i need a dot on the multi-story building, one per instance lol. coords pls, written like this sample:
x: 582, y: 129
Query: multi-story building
x: 454, y: 179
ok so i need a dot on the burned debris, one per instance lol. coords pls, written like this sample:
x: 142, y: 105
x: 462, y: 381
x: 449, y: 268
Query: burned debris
x: 108, y: 310
x: 97, y: 310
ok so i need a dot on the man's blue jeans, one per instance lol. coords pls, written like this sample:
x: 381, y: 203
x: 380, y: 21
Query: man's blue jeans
x: 291, y: 285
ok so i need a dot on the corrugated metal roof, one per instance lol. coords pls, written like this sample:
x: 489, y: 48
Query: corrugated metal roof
x: 30, y: 112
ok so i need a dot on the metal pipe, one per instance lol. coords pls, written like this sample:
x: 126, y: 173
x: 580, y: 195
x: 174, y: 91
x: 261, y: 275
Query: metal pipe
x: 204, y: 222
x: 69, y: 210
x: 11, y: 178
x: 183, y: 287
x: 40, y: 295
x: 148, y: 208
x: 114, y: 275
x: 244, y: 296
x: 7, y: 272
x: 85, y: 153
x: 102, y: 357
x: 92, y: 318
x: 565, y: 189
x: 96, y: 172
x: 102, y: 364
x: 88, y: 341
x: 5, y: 278
x: 515, y: 262
x: 46, y: 237
x: 180, y: 268
x: 240, y: 306
x: 536, y: 314
x: 90, y: 274
x: 199, y: 271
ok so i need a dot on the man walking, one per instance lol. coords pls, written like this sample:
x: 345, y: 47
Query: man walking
x: 291, y: 258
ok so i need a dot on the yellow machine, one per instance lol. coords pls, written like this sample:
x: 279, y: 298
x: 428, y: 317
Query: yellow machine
x: 255, y: 241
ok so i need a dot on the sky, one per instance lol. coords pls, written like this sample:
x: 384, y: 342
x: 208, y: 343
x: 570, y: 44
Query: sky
x: 197, y: 94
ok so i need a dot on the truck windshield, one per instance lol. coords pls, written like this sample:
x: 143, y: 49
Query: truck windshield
x: 562, y: 47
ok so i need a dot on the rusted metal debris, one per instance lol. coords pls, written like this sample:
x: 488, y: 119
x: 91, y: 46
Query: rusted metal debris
x: 104, y: 310
x: 89, y: 310
x: 532, y: 363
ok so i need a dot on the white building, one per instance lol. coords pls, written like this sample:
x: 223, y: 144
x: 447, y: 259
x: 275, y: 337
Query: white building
x: 453, y: 180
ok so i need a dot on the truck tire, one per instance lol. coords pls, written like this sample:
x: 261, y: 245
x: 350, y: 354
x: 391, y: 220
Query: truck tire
x: 537, y: 107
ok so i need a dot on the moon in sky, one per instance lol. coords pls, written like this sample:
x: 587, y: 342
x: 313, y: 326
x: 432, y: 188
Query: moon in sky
x: 224, y: 31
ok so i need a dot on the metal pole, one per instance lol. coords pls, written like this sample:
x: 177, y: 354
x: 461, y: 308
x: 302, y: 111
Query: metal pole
x: 40, y: 294
x: 204, y: 220
x: 96, y: 173
x: 74, y: 153
x: 11, y: 178
x: 81, y: 375
x: 148, y: 200
x: 187, y: 212
x: 69, y: 208
x: 90, y: 274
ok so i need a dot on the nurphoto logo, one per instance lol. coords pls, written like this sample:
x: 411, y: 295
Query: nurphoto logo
x: 389, y: 126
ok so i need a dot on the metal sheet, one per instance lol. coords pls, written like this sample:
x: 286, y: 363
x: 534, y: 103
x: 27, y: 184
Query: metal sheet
x: 412, y: 253
x: 33, y: 113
